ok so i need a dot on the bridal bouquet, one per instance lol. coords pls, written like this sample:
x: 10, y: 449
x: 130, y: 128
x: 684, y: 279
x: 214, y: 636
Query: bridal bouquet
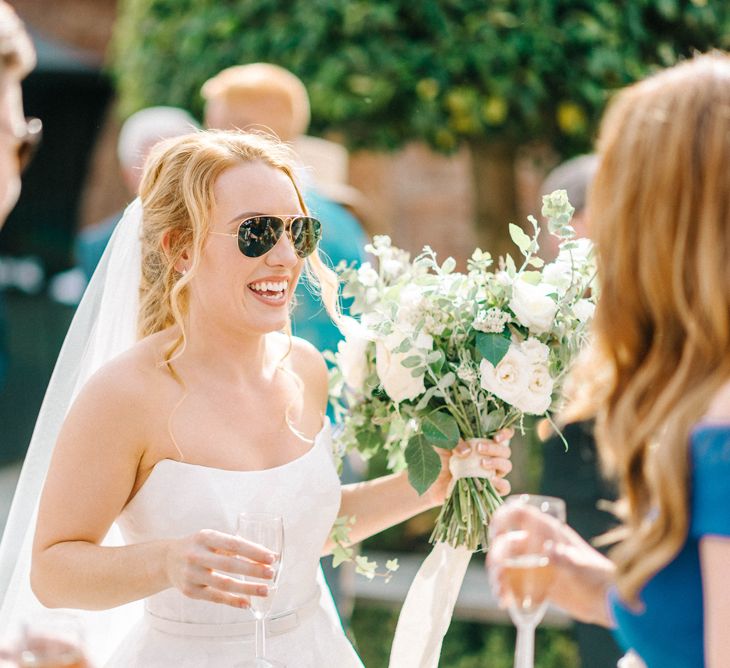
x: 433, y: 355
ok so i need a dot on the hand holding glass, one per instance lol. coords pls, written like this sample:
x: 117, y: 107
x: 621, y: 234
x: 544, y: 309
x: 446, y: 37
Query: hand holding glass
x: 52, y: 640
x: 268, y: 531
x: 527, y: 572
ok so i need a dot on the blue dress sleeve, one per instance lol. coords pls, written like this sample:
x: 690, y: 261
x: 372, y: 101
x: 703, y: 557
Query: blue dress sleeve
x: 710, y: 480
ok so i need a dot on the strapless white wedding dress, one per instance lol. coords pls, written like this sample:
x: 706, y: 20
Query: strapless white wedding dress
x: 178, y: 499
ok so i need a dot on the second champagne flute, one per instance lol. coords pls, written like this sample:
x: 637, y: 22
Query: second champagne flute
x: 528, y: 576
x: 266, y: 530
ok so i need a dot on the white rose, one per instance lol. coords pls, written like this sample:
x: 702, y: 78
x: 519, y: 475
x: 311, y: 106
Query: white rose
x: 584, y: 310
x: 532, y: 307
x: 557, y: 274
x: 509, y: 379
x: 397, y: 380
x: 538, y: 395
x: 582, y: 248
x: 352, y: 353
x: 536, y: 351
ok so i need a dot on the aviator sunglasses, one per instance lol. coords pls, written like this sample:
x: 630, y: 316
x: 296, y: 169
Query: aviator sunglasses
x: 257, y: 235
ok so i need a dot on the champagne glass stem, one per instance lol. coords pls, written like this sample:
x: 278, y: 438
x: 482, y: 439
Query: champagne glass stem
x: 525, y: 648
x: 261, y: 637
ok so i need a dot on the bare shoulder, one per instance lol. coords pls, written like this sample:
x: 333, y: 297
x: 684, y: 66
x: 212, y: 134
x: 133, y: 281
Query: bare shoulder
x: 720, y: 405
x: 121, y: 392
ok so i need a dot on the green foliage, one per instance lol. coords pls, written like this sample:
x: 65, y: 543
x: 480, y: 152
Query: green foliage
x: 424, y: 465
x: 383, y: 72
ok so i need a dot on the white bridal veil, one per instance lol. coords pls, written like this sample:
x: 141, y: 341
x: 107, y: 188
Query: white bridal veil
x: 103, y: 327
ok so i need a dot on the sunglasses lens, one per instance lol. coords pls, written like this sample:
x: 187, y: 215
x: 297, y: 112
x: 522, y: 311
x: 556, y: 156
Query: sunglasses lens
x: 258, y: 235
x: 305, y: 233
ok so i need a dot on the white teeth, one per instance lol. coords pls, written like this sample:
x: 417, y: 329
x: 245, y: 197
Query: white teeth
x: 270, y: 286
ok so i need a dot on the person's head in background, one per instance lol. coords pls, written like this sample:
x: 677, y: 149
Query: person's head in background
x: 141, y: 131
x: 574, y: 176
x: 17, y: 58
x: 257, y: 97
x: 659, y: 214
x: 262, y: 97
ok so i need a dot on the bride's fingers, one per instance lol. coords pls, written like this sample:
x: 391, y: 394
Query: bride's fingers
x: 230, y: 585
x: 230, y: 544
x: 205, y: 593
x: 497, y: 464
x: 236, y: 566
x: 501, y: 486
x: 492, y: 449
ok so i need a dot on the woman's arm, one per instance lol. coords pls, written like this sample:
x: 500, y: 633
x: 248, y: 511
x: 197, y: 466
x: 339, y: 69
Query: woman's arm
x: 90, y: 479
x: 714, y: 560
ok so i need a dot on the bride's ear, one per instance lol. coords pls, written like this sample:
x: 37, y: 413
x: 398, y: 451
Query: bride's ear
x: 182, y: 259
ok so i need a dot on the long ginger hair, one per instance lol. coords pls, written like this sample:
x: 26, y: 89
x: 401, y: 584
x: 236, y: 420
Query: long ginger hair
x: 659, y: 211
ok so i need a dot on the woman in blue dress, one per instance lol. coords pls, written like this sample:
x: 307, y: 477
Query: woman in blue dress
x: 660, y: 376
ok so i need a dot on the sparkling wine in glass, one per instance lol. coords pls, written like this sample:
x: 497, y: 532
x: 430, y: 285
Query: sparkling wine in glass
x: 52, y: 640
x: 266, y: 530
x: 528, y: 576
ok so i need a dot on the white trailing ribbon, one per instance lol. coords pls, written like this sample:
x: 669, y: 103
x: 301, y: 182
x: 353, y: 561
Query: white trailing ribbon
x: 429, y: 605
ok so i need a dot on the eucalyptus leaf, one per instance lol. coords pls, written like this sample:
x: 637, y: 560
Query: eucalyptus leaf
x: 418, y: 371
x: 441, y: 430
x: 521, y: 239
x: 424, y: 465
x: 493, y: 347
x: 447, y: 380
x: 448, y: 266
x: 492, y: 421
x: 410, y: 362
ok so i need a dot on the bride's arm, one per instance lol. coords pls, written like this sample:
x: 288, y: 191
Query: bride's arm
x: 90, y: 479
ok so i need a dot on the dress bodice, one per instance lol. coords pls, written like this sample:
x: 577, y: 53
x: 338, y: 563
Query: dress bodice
x: 178, y: 499
x: 668, y: 630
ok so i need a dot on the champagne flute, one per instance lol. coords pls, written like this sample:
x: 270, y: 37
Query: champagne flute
x: 52, y: 640
x: 266, y: 530
x: 528, y: 576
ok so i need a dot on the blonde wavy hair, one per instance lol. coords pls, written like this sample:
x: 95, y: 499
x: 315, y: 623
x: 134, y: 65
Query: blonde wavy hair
x: 177, y: 196
x: 659, y: 209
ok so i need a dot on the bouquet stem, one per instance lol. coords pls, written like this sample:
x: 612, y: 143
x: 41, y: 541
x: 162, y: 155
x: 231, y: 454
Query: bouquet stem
x: 464, y: 517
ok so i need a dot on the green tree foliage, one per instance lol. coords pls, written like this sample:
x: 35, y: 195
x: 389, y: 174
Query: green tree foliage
x: 383, y: 72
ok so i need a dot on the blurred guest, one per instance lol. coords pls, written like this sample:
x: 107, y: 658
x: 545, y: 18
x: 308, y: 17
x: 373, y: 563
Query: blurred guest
x: 18, y: 136
x: 139, y: 133
x: 657, y: 376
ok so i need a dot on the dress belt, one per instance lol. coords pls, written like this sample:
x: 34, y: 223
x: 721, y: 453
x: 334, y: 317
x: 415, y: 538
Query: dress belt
x: 276, y: 624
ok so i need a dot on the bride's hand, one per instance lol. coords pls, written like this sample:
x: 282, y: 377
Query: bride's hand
x: 208, y: 565
x: 495, y: 459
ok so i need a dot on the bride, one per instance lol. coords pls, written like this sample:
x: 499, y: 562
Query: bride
x: 215, y: 409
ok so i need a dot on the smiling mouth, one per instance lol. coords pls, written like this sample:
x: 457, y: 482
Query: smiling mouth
x: 270, y: 291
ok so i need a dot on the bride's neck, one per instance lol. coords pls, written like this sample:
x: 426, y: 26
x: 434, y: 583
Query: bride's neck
x: 230, y: 357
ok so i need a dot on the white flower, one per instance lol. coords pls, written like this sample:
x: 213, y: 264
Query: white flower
x: 538, y: 397
x: 584, y: 310
x: 536, y: 351
x: 532, y: 307
x: 466, y: 373
x: 396, y: 379
x: 509, y: 379
x: 525, y: 385
x: 411, y: 306
x: 577, y: 253
x: 367, y: 275
x: 492, y: 320
x: 557, y: 274
x: 352, y: 353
